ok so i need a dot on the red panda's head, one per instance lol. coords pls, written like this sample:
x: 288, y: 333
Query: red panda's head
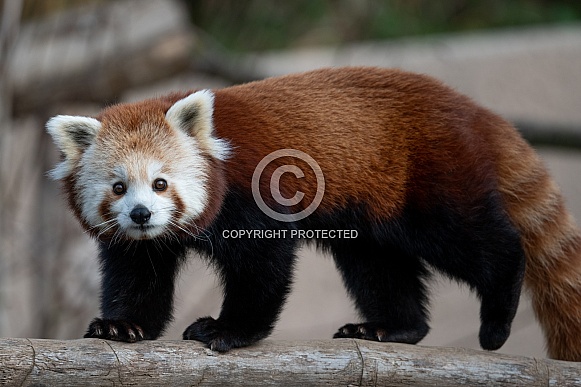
x: 141, y: 170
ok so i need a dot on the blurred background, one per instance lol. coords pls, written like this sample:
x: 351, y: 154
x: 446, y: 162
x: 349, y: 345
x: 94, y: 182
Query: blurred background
x: 520, y: 58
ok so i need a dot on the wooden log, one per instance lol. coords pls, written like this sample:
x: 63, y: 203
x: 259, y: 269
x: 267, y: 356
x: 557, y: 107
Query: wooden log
x: 92, y: 362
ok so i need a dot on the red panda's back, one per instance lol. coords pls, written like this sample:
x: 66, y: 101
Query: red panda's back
x: 380, y: 136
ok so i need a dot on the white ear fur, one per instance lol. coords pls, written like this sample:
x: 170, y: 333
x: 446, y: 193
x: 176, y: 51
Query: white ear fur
x: 72, y: 135
x: 193, y: 115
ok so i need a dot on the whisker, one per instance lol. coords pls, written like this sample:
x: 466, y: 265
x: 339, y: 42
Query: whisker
x: 201, y: 230
x: 151, y: 261
x: 204, y: 237
x: 109, y: 227
x: 171, y: 222
x: 102, y: 223
x: 126, y: 251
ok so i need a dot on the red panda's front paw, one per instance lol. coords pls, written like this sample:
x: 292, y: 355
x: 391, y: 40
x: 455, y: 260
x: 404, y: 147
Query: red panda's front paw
x: 379, y: 332
x: 118, y: 330
x: 218, y: 336
x: 210, y: 332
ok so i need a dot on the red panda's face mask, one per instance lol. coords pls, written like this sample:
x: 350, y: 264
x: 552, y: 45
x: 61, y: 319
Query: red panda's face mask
x: 137, y: 175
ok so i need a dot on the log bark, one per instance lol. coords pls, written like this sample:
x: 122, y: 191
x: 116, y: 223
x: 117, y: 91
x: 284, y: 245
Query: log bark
x: 92, y: 362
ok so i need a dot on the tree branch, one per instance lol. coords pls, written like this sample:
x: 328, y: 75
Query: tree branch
x: 93, y: 362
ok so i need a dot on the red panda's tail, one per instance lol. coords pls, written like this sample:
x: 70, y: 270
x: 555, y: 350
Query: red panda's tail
x: 551, y: 240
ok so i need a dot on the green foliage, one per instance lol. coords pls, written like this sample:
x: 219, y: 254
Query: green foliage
x: 243, y: 25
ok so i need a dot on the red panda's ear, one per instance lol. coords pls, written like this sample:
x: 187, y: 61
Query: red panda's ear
x: 72, y: 135
x: 193, y: 115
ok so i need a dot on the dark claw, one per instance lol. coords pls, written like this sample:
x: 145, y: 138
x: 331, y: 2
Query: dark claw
x: 118, y: 330
x: 378, y: 332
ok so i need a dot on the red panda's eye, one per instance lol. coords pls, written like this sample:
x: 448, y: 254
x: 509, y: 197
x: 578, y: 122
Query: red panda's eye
x: 159, y: 185
x: 119, y: 188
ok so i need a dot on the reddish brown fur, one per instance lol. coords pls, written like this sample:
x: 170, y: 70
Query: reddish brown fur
x: 72, y: 195
x: 349, y: 141
x: 136, y: 119
x: 216, y: 191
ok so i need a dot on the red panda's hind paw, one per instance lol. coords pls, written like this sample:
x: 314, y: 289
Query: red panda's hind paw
x: 218, y: 336
x: 493, y: 335
x: 118, y: 330
x: 378, y: 332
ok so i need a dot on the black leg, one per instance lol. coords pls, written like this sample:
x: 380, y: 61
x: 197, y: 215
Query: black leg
x: 483, y: 250
x: 497, y: 279
x: 388, y: 290
x: 499, y: 291
x: 137, y: 290
x: 255, y: 271
x: 256, y: 275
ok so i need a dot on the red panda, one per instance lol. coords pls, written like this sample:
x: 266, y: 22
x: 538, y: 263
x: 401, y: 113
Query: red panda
x: 417, y: 175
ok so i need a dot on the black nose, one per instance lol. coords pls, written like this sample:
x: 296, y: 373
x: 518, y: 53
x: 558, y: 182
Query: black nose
x: 140, y: 214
